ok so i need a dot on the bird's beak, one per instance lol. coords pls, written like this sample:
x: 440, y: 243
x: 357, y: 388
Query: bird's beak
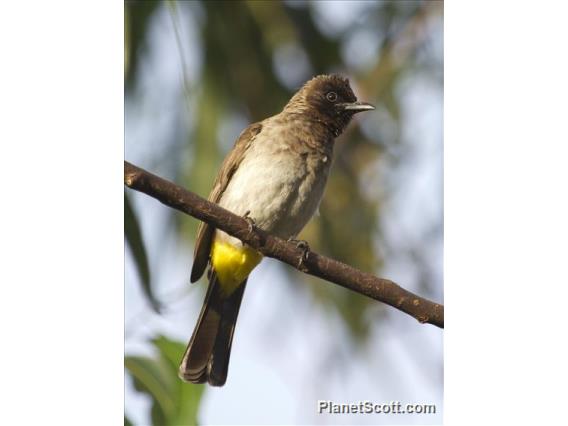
x: 356, y: 106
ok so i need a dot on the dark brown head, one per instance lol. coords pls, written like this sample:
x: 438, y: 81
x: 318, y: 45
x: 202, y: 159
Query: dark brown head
x: 329, y: 99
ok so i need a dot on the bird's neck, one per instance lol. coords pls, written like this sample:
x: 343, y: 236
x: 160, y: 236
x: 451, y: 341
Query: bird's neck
x: 315, y: 134
x: 327, y: 126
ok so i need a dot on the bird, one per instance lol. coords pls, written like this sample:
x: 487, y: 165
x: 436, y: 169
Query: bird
x: 274, y: 176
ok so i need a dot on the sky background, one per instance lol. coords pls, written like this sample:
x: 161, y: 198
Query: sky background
x: 290, y: 350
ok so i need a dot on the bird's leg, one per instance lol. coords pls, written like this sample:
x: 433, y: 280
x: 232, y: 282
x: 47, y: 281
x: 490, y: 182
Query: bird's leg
x: 301, y: 244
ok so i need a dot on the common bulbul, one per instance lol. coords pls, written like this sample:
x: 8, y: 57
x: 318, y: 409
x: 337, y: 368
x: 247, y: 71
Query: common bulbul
x: 275, y: 175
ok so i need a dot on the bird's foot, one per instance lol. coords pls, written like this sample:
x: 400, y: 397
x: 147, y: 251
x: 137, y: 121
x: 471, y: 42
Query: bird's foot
x: 250, y: 221
x: 301, y: 244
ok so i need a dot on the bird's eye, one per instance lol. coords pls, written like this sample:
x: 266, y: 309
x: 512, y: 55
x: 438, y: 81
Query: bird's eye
x: 331, y: 96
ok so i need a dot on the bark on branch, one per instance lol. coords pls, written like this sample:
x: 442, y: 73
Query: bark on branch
x: 314, y: 264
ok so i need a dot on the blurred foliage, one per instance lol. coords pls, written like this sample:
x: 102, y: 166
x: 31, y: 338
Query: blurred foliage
x: 136, y: 243
x: 173, y: 402
x: 136, y: 17
x: 240, y: 76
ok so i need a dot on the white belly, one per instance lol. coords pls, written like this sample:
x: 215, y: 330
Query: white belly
x: 281, y: 190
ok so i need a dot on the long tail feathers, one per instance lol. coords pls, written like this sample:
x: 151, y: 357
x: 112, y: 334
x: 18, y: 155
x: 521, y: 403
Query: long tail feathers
x: 206, y: 358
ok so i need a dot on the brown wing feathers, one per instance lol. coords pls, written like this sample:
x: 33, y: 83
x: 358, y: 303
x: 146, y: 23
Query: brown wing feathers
x: 205, y: 232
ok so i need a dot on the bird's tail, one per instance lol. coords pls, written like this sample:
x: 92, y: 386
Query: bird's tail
x: 206, y: 358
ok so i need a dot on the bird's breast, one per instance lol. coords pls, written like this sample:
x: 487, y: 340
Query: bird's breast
x: 280, y: 186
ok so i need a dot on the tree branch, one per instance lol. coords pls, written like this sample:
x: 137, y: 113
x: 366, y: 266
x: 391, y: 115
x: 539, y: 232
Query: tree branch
x: 312, y: 263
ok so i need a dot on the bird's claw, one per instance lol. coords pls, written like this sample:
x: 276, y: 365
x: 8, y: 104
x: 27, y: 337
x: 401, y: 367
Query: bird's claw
x: 302, y: 244
x: 251, y: 222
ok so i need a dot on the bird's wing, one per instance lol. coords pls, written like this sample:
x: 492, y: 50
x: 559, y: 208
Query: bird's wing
x: 205, y: 231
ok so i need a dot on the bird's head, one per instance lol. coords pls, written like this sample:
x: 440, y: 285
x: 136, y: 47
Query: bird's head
x: 329, y: 99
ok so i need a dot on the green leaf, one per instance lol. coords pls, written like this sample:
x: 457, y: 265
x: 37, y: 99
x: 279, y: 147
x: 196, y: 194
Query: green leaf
x: 158, y: 416
x: 127, y: 421
x: 170, y: 351
x: 189, y: 400
x: 188, y: 395
x: 174, y: 402
x: 154, y: 378
x: 135, y: 242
